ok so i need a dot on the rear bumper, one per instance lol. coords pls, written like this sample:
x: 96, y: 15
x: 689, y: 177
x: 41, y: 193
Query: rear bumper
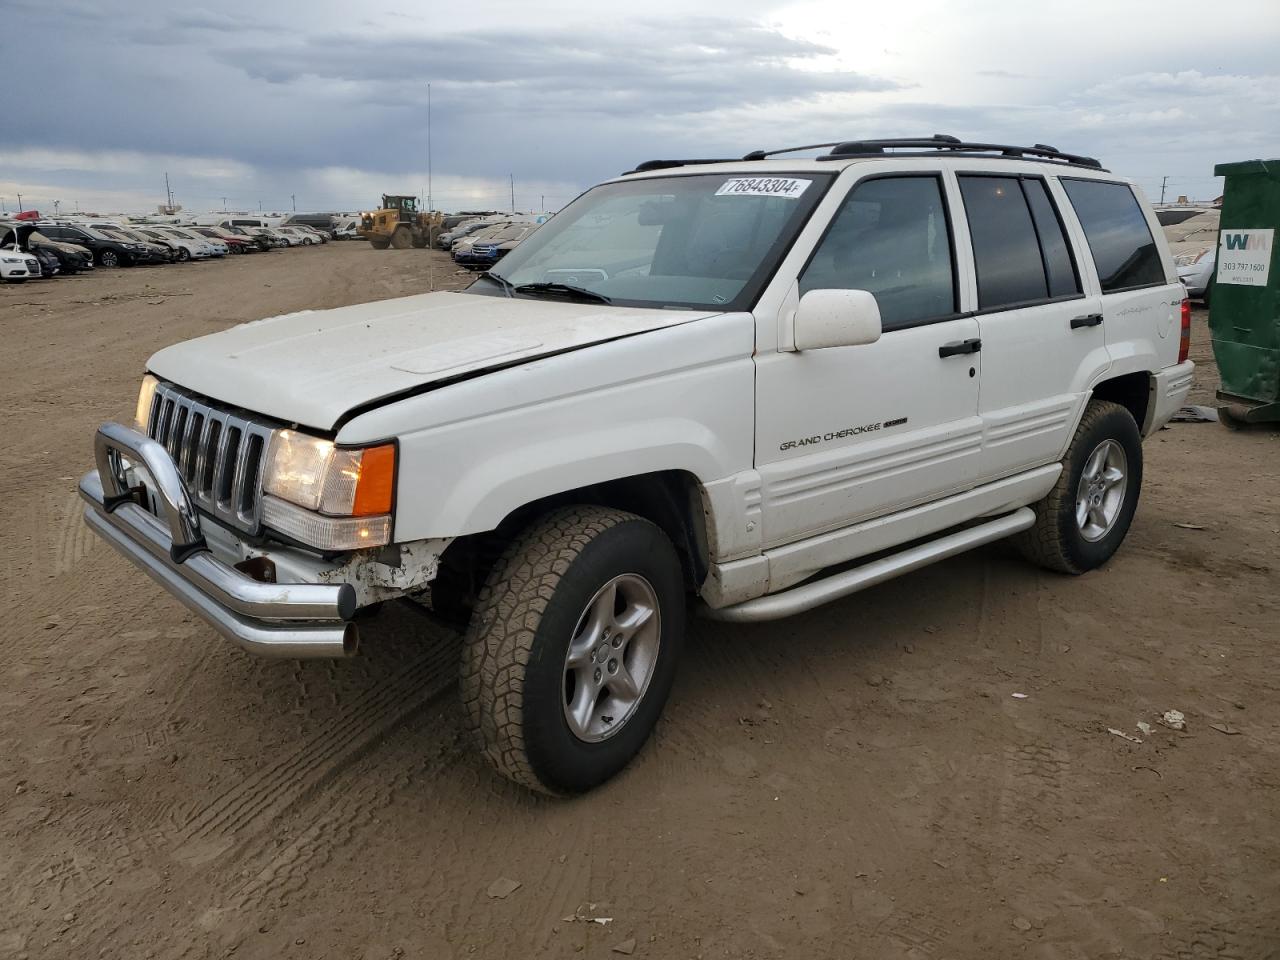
x: 291, y: 620
x: 1169, y: 389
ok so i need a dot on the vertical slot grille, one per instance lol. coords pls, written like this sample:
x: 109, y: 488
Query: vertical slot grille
x: 219, y: 454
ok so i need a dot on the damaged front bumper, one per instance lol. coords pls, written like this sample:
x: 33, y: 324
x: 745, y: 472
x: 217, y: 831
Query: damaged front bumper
x: 208, y: 570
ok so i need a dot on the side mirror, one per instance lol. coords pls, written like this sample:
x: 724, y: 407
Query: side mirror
x: 836, y: 318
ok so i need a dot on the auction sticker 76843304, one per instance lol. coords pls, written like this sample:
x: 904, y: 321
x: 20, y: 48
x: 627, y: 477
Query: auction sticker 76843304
x: 788, y: 187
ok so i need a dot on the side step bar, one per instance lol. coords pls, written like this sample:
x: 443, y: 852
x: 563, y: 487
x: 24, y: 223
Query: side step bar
x: 775, y: 606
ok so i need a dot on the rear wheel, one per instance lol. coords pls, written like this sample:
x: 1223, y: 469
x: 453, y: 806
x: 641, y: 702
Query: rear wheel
x: 109, y: 258
x: 572, y: 648
x: 1084, y: 518
x: 379, y: 244
x: 402, y: 239
x: 184, y: 254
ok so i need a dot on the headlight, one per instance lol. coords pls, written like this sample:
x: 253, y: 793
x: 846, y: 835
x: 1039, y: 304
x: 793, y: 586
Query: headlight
x: 345, y: 493
x: 146, y: 396
x: 12, y: 259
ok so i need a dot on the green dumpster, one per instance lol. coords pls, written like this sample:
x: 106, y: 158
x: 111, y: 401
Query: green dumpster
x: 1244, y: 312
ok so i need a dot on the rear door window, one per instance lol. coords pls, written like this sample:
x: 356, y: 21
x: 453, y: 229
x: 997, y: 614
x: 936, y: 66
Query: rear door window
x: 1120, y: 241
x: 1006, y: 249
x: 1059, y: 265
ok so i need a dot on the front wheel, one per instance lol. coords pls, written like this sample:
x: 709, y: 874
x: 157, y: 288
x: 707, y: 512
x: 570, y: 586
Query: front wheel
x: 402, y: 239
x: 1083, y: 520
x: 109, y: 258
x: 572, y: 648
x: 379, y: 244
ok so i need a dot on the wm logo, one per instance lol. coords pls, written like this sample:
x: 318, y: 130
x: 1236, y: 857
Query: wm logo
x: 1247, y: 241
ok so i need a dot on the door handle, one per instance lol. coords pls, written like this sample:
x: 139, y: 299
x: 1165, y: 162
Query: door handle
x: 1091, y: 320
x: 960, y: 347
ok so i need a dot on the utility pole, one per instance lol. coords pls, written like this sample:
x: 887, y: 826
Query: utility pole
x: 294, y: 200
x: 19, y: 203
x: 543, y: 198
x: 513, y: 192
x: 1163, y: 181
x: 167, y: 191
x: 429, y: 206
x: 224, y: 204
x: 56, y: 205
x: 259, y: 206
x: 3, y: 208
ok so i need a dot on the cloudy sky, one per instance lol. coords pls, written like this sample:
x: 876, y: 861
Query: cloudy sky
x: 326, y: 102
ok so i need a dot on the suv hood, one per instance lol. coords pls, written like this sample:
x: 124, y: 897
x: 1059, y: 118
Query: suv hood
x: 312, y: 367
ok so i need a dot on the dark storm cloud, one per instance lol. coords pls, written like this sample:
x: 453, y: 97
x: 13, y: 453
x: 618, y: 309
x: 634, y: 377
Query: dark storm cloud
x: 279, y: 97
x: 689, y: 65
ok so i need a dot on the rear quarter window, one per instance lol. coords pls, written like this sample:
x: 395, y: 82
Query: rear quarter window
x: 1120, y: 240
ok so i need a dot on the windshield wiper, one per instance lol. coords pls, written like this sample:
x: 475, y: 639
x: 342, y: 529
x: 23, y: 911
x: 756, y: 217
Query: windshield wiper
x: 566, y: 289
x: 501, y: 281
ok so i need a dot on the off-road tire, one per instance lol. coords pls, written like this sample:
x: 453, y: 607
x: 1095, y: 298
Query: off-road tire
x: 379, y: 244
x: 512, y: 671
x: 402, y: 239
x: 1055, y: 540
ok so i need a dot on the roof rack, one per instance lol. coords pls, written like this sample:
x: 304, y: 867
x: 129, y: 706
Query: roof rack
x: 925, y: 146
x: 910, y: 147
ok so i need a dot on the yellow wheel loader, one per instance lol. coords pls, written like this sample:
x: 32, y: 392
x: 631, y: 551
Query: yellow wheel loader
x: 399, y: 224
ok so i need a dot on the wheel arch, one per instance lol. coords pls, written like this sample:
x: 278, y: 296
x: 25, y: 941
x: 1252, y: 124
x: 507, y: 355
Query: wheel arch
x: 1131, y: 391
x: 670, y: 499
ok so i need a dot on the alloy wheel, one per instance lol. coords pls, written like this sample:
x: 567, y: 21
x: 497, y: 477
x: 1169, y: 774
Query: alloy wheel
x: 611, y: 657
x: 1100, y: 492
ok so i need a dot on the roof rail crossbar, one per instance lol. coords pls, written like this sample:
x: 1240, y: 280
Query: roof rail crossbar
x: 667, y: 164
x: 940, y: 142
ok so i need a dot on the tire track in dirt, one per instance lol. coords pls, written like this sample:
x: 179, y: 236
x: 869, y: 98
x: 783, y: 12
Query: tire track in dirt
x: 360, y: 723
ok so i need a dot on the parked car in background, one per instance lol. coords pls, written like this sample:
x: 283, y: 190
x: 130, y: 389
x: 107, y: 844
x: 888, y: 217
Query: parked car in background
x: 298, y: 237
x: 153, y: 251
x: 274, y: 236
x: 108, y: 248
x: 17, y: 266
x: 216, y: 246
x: 259, y: 240
x: 183, y: 248
x: 323, y: 236
x: 71, y: 258
x: 447, y: 239
x: 320, y: 222
x: 347, y: 231
x: 235, y: 242
x: 1193, y: 241
x: 484, y: 253
x: 19, y: 263
x: 462, y: 245
x: 49, y: 263
x: 486, y: 247
x: 54, y: 259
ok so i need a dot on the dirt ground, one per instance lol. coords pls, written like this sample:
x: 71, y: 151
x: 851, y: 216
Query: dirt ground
x: 922, y: 771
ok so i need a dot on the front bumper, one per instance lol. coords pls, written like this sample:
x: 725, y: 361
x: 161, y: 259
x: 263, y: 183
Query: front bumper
x: 291, y: 620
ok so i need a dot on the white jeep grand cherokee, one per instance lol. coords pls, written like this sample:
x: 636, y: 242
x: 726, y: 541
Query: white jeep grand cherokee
x: 723, y: 381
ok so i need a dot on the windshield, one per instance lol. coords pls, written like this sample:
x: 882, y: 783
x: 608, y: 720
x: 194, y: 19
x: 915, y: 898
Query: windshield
x: 705, y: 240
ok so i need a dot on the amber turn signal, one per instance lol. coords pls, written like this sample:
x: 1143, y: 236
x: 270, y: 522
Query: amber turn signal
x: 376, y: 484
